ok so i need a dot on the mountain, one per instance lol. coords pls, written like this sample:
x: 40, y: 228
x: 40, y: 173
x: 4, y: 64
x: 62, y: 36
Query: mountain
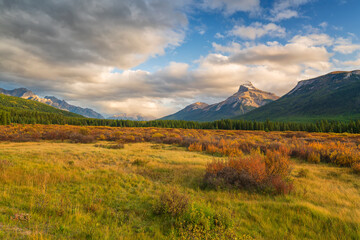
x: 10, y: 103
x: 61, y: 104
x: 246, y: 99
x: 52, y: 101
x: 334, y: 96
x: 135, y: 117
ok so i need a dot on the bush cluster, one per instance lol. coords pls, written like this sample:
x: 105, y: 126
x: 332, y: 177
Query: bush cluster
x: 342, y: 150
x: 173, y: 203
x: 254, y: 171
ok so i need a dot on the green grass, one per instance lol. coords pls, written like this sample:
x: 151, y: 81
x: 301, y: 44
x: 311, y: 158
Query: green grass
x: 79, y: 191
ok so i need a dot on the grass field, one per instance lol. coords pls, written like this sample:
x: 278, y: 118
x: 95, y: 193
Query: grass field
x: 52, y: 190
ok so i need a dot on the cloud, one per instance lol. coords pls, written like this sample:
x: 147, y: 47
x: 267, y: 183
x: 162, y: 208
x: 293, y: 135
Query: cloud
x: 219, y: 36
x: 107, y: 33
x: 232, y: 6
x: 258, y: 30
x: 345, y: 46
x: 272, y: 67
x: 355, y: 63
x: 71, y: 53
x: 69, y: 48
x: 286, y: 9
x: 313, y: 40
x: 323, y: 24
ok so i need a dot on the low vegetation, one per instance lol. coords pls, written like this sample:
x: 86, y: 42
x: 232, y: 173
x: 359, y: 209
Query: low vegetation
x: 339, y: 149
x: 72, y: 182
x: 61, y: 190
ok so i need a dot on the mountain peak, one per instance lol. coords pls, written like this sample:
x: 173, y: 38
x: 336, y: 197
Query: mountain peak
x: 246, y: 87
x: 197, y: 105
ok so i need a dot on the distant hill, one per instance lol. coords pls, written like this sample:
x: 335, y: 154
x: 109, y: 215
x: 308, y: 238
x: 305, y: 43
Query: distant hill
x: 52, y: 101
x: 8, y: 103
x: 246, y: 99
x: 334, y: 96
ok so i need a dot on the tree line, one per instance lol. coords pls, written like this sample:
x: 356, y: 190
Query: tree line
x: 15, y: 116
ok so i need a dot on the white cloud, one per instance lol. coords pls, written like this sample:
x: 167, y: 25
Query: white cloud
x: 355, y: 63
x: 286, y: 9
x: 313, y: 40
x: 323, y: 24
x: 231, y: 6
x: 345, y: 46
x: 219, y: 35
x: 258, y: 30
x: 71, y: 53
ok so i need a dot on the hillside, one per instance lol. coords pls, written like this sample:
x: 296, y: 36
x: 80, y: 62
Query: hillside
x: 17, y: 104
x: 334, y: 96
x: 246, y: 99
x: 52, y: 101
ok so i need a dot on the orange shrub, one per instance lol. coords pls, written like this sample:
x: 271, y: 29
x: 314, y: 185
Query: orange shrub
x: 210, y: 148
x: 340, y: 149
x: 251, y: 172
x: 195, y: 147
x: 313, y: 157
x: 356, y: 167
x: 277, y: 164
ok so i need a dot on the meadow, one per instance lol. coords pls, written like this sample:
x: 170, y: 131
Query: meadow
x: 69, y: 182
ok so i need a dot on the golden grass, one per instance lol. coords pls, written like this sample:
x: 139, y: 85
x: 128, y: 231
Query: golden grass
x: 79, y: 191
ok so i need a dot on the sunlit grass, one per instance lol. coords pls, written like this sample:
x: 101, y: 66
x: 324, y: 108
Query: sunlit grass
x: 79, y: 191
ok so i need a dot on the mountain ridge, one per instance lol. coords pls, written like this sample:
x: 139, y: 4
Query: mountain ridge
x: 244, y: 100
x: 52, y: 101
x: 335, y: 95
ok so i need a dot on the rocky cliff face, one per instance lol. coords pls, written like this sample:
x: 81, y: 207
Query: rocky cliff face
x: 246, y: 99
x: 52, y: 101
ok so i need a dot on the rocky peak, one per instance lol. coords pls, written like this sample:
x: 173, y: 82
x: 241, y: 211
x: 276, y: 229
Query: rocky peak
x: 19, y: 92
x: 197, y: 105
x: 246, y: 87
x: 55, y: 100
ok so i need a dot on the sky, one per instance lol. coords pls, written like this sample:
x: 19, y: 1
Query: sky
x: 154, y: 57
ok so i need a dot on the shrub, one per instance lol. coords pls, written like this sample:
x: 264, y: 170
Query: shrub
x: 356, y: 167
x: 313, y: 157
x: 254, y: 171
x: 173, y: 203
x: 195, y: 147
x: 202, y: 222
x: 79, y: 138
x: 212, y: 149
x: 111, y: 146
x: 281, y: 186
x: 277, y: 164
x: 157, y: 135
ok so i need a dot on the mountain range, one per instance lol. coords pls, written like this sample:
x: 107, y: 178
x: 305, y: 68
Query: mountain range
x: 52, y: 101
x: 247, y: 98
x: 334, y: 96
x: 21, y: 108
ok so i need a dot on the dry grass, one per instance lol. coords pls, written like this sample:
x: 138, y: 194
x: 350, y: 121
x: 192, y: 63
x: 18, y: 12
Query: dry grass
x: 79, y: 191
